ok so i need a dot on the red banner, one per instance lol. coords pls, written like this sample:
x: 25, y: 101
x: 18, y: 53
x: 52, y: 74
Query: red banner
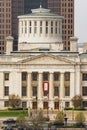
x: 45, y: 86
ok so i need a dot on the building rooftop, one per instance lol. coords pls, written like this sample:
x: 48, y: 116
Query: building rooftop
x: 42, y: 12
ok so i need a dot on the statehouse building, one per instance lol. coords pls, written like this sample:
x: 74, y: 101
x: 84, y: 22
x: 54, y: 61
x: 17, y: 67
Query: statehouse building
x: 41, y: 73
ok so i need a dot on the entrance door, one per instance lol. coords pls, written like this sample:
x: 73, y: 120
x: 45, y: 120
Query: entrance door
x: 45, y: 105
x: 34, y: 105
x: 56, y: 105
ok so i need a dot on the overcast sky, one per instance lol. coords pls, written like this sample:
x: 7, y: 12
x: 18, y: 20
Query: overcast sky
x: 81, y: 20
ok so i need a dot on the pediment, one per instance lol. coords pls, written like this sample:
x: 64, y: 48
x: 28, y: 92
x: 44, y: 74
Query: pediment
x: 46, y: 59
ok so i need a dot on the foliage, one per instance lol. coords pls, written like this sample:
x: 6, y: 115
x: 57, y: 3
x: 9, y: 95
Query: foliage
x: 15, y: 113
x: 77, y: 101
x: 59, y: 117
x: 68, y: 108
x: 79, y: 109
x: 21, y: 120
x: 14, y: 101
x: 80, y: 118
x: 37, y: 119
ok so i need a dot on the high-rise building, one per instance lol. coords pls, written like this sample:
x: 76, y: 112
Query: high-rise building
x: 5, y: 22
x: 32, y: 4
x: 9, y: 10
x: 66, y: 9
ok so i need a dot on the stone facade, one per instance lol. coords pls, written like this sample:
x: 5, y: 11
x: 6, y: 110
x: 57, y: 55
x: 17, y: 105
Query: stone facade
x: 41, y: 73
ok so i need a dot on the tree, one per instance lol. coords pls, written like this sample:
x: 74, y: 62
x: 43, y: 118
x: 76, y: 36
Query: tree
x: 21, y: 121
x: 14, y: 101
x: 37, y: 119
x: 77, y: 101
x: 80, y: 118
x: 59, y: 117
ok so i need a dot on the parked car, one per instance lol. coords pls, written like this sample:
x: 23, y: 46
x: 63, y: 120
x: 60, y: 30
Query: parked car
x: 9, y: 121
x: 8, y: 128
x: 20, y: 128
x: 53, y: 127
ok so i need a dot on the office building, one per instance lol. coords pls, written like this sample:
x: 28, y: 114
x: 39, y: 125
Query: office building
x: 9, y: 10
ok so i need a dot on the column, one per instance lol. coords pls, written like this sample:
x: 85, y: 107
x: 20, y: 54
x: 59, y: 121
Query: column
x: 72, y: 84
x: 1, y: 85
x: 32, y: 28
x: 38, y: 28
x: 78, y: 80
x: 29, y: 90
x: 27, y: 28
x: 61, y: 93
x: 51, y: 87
x: 43, y: 28
x: 40, y: 91
x: 23, y: 28
x: 51, y: 92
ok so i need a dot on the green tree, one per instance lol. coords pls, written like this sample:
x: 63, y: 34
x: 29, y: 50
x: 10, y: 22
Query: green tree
x: 59, y: 117
x: 14, y: 101
x: 77, y: 101
x: 80, y: 118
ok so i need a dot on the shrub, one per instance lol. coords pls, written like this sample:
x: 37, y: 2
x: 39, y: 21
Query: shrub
x: 68, y: 108
x: 80, y: 118
x: 59, y: 117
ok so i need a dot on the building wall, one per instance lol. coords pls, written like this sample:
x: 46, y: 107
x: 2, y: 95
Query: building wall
x: 9, y: 10
x: 66, y: 9
x: 5, y: 22
x: 69, y: 67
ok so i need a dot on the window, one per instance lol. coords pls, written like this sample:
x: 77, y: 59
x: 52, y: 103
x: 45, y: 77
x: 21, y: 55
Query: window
x: 40, y: 27
x: 51, y: 27
x: 24, y: 104
x: 56, y: 105
x: 6, y: 104
x: 24, y: 91
x: 84, y: 90
x: 46, y: 27
x: 59, y: 27
x: 45, y: 105
x: 45, y: 76
x: 24, y: 76
x: 84, y: 77
x: 34, y: 90
x: 34, y: 76
x: 46, y: 94
x: 29, y: 26
x: 67, y: 76
x: 25, y: 26
x: 56, y: 76
x: 6, y: 91
x: 67, y: 104
x: 34, y: 105
x: 84, y: 103
x: 67, y: 91
x: 56, y: 27
x: 56, y: 91
x: 35, y: 27
x: 6, y: 76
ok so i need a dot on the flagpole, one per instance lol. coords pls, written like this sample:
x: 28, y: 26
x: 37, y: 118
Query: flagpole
x: 48, y: 105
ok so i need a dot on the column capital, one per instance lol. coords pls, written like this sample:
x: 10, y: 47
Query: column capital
x: 62, y: 72
x: 29, y: 72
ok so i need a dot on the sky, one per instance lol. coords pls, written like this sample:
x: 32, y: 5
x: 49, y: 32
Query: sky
x: 81, y: 20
